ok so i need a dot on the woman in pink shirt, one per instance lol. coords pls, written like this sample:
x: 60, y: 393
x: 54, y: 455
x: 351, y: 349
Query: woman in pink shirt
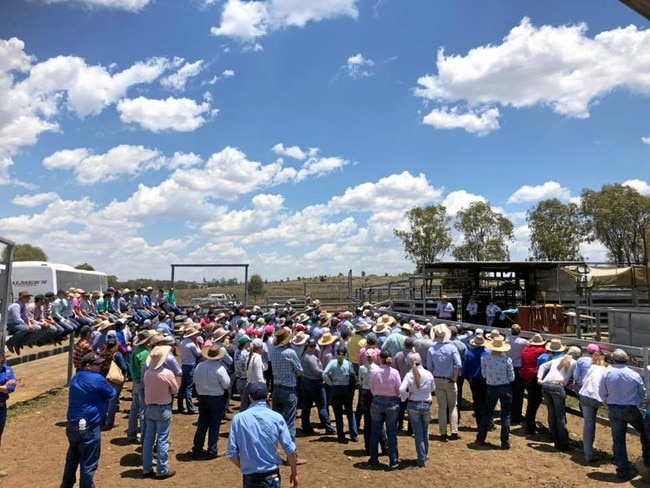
x: 384, y: 386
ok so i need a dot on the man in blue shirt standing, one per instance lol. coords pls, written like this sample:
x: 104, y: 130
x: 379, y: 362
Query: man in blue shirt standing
x: 87, y: 404
x: 253, y: 442
x: 7, y: 386
x: 622, y: 390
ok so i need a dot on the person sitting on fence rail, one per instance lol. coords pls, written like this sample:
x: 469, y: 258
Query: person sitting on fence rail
x: 18, y: 324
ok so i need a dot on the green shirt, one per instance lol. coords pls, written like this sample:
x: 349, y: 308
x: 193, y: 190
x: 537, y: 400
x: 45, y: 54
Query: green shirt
x: 140, y: 354
x: 171, y: 298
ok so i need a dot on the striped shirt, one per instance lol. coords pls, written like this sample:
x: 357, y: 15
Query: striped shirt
x: 286, y: 366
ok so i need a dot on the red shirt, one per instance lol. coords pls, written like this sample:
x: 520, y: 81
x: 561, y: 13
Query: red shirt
x: 529, y: 356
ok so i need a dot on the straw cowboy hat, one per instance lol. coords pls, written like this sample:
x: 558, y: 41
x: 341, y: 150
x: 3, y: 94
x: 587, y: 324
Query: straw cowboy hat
x: 104, y: 325
x: 327, y: 338
x: 303, y: 317
x: 219, y: 334
x: 537, y: 340
x: 555, y: 345
x: 386, y: 319
x: 498, y: 344
x: 493, y: 333
x: 159, y: 339
x: 441, y: 333
x: 406, y: 328
x: 282, y: 337
x: 300, y: 339
x: 157, y: 356
x: 191, y: 332
x: 143, y: 337
x: 366, y: 305
x: 478, y: 341
x: 213, y: 352
x: 24, y: 294
x: 363, y: 326
x: 325, y: 319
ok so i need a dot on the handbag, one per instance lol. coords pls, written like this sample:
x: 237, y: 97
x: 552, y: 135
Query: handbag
x: 115, y: 375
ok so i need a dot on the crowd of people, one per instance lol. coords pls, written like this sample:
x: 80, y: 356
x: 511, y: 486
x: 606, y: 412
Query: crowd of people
x: 393, y: 366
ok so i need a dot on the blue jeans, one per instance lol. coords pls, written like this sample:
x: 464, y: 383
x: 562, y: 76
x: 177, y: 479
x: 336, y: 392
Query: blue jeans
x: 212, y: 410
x: 186, y: 389
x: 503, y: 395
x: 619, y: 417
x: 285, y: 402
x: 18, y: 333
x: 342, y: 403
x: 3, y: 420
x: 136, y: 414
x: 555, y: 399
x: 363, y: 409
x: 384, y: 410
x: 589, y: 410
x: 419, y: 416
x: 313, y: 393
x: 83, y: 452
x: 158, y: 419
x: 113, y: 407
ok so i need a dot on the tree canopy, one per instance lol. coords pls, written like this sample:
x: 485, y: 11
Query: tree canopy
x: 617, y: 216
x: 256, y: 286
x: 26, y: 252
x: 85, y: 266
x: 428, y: 237
x: 486, y: 234
x: 556, y: 231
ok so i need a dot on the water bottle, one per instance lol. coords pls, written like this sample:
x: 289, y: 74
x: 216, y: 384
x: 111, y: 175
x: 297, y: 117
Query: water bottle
x: 82, y: 426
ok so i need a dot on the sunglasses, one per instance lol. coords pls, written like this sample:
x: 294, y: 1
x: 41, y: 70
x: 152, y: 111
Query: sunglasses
x: 340, y: 354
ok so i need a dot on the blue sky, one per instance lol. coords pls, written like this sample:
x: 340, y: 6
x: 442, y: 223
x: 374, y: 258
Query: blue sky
x: 293, y: 134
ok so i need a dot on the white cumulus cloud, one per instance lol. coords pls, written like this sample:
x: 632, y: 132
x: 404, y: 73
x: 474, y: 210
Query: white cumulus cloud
x: 128, y: 5
x: 178, y: 80
x: 358, y: 66
x: 639, y: 185
x: 35, y: 200
x: 90, y: 168
x: 557, y: 67
x: 480, y: 122
x: 545, y: 191
x: 645, y: 140
x: 247, y: 21
x: 171, y: 114
x: 294, y: 152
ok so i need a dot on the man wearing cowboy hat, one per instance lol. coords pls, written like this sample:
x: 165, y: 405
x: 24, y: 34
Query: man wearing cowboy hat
x: 529, y: 365
x: 212, y: 381
x: 499, y: 373
x: 286, y: 369
x: 159, y: 386
x: 472, y: 373
x: 190, y: 353
x: 18, y: 323
x: 443, y: 360
x: 394, y: 343
x: 382, y: 328
x: 138, y: 359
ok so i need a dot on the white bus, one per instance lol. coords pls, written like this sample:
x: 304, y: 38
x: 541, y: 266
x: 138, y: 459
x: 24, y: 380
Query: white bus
x: 40, y: 277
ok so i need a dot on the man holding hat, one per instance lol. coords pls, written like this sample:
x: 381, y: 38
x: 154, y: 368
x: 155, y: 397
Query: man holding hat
x: 499, y: 373
x: 211, y: 380
x: 622, y: 390
x: 7, y: 386
x: 88, y: 401
x: 253, y: 442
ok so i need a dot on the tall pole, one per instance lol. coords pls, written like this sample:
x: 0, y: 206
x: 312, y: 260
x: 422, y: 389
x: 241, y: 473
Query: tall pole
x: 5, y: 297
x: 646, y: 256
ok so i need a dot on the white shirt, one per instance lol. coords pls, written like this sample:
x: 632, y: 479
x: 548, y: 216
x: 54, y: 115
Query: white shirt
x: 211, y: 378
x: 472, y: 308
x: 554, y: 374
x: 189, y: 352
x: 364, y: 375
x: 445, y: 309
x: 255, y: 370
x: 591, y: 382
x: 517, y: 345
x: 409, y: 389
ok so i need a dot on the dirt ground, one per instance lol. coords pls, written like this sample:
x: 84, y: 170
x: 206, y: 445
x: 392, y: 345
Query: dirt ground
x: 35, y: 444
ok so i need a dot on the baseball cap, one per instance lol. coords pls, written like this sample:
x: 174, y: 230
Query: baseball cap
x: 111, y: 334
x: 244, y: 339
x: 592, y: 348
x: 257, y: 343
x: 91, y: 358
x: 619, y: 355
x: 258, y: 391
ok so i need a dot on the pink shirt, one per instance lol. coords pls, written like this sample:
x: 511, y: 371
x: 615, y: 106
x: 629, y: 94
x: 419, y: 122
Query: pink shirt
x: 362, y: 356
x: 159, y: 386
x: 385, y: 381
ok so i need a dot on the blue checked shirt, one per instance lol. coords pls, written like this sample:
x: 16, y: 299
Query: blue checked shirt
x: 286, y: 366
